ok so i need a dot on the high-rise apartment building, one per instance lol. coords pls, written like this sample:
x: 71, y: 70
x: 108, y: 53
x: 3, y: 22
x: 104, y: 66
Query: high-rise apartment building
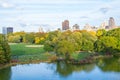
x: 111, y: 23
x: 65, y: 25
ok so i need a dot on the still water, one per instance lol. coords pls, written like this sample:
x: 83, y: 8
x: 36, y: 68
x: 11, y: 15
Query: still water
x: 103, y: 69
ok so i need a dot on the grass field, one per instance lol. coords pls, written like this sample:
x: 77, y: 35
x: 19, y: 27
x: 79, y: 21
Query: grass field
x: 21, y: 49
x: 25, y: 52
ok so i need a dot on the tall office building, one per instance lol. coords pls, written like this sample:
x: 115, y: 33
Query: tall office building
x: 65, y: 25
x: 7, y: 30
x: 111, y: 23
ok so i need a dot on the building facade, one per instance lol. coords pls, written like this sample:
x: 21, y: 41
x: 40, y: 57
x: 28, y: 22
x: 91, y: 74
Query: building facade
x: 65, y: 25
x: 4, y: 30
x: 111, y: 23
x: 76, y: 27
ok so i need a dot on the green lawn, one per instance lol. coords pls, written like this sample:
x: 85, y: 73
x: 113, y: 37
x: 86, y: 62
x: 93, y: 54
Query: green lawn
x: 29, y: 53
x: 26, y: 53
x: 21, y: 49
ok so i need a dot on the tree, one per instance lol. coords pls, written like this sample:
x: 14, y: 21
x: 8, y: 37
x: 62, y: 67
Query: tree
x: 100, y: 32
x: 51, y: 40
x: 2, y: 56
x: 16, y: 37
x: 76, y: 39
x: 29, y: 38
x: 65, y: 48
x: 87, y: 41
x: 4, y: 50
x: 114, y: 33
x: 48, y: 46
x: 106, y: 44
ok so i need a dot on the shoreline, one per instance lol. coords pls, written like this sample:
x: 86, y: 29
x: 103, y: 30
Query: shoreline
x: 20, y: 63
x: 45, y: 61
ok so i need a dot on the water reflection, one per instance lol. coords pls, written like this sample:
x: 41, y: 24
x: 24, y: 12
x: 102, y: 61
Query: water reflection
x: 104, y: 69
x: 111, y: 64
x: 65, y: 69
x: 5, y: 74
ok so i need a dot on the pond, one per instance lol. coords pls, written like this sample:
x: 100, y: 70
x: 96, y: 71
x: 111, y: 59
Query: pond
x: 103, y: 69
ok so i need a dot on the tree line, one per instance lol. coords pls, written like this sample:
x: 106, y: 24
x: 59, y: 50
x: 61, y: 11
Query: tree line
x: 67, y: 42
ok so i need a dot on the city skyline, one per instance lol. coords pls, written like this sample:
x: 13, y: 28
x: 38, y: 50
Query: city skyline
x: 29, y: 15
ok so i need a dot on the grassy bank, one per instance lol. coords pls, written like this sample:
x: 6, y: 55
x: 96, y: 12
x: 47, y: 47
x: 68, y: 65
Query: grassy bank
x: 29, y: 53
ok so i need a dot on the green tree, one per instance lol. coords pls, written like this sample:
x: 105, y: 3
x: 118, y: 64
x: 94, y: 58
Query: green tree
x: 65, y: 48
x: 100, y: 32
x: 2, y: 56
x: 29, y: 38
x: 4, y: 50
x: 76, y: 39
x: 114, y: 33
x: 87, y: 41
x: 51, y: 41
x: 106, y: 44
x: 14, y: 39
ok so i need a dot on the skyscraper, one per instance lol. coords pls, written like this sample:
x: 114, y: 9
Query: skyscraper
x: 111, y: 23
x: 65, y: 25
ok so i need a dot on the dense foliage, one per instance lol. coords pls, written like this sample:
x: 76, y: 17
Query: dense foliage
x: 67, y: 42
x: 4, y: 50
x: 23, y: 37
x: 108, y: 42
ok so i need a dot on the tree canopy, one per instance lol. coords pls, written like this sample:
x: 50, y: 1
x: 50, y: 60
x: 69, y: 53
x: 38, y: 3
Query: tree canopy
x: 4, y: 50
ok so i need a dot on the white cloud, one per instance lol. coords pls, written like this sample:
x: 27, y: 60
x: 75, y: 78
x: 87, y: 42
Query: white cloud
x: 6, y: 5
x: 53, y: 12
x: 55, y: 1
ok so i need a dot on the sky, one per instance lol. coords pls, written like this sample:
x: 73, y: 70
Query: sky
x: 29, y: 15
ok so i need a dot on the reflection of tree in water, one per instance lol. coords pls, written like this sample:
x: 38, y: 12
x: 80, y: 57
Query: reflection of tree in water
x: 65, y: 69
x: 5, y: 74
x: 88, y: 67
x: 110, y: 64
